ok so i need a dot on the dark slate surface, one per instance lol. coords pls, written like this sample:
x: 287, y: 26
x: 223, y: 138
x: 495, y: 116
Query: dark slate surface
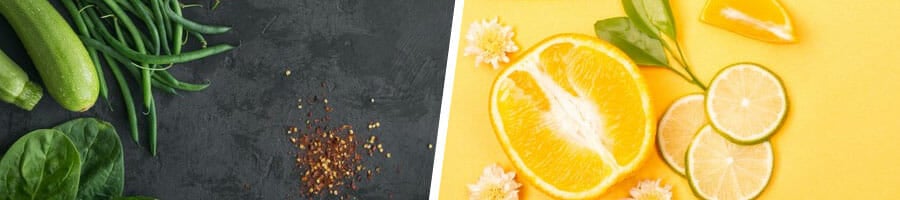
x: 228, y: 142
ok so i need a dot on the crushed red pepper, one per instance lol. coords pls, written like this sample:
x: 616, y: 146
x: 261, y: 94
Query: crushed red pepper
x: 331, y: 158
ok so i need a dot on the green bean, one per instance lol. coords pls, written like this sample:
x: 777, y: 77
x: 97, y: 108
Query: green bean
x: 161, y: 59
x: 152, y: 129
x: 192, y: 5
x: 144, y: 13
x: 161, y: 23
x: 216, y: 5
x: 177, y: 31
x: 159, y: 85
x: 118, y: 37
x: 158, y: 42
x: 145, y: 74
x: 109, y: 52
x: 194, y: 26
x: 135, y: 35
x: 171, y: 81
x: 162, y: 86
x: 95, y: 44
x: 168, y: 88
x: 165, y: 59
x: 199, y: 38
x: 118, y: 57
x: 99, y: 5
x: 191, y: 87
x: 166, y: 76
x: 123, y: 85
x: 126, y: 6
x: 159, y: 79
x: 146, y: 77
x: 126, y: 96
x: 147, y: 83
x: 155, y: 83
x: 141, y: 12
x: 118, y: 31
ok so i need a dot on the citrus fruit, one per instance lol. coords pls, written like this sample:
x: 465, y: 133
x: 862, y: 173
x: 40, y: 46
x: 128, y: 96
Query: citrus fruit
x: 720, y: 169
x: 573, y: 115
x: 746, y: 103
x: 764, y: 20
x: 677, y: 128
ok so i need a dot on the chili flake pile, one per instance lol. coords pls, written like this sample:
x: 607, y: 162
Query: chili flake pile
x: 331, y: 158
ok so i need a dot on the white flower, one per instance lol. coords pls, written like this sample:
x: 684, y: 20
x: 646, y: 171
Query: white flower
x: 650, y: 190
x: 495, y: 184
x: 489, y: 42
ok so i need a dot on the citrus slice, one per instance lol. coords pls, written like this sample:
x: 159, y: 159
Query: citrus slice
x: 746, y: 103
x: 573, y: 115
x: 764, y: 20
x: 720, y: 169
x: 677, y: 128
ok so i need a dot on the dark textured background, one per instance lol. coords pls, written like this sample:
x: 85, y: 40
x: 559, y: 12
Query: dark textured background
x: 228, y: 142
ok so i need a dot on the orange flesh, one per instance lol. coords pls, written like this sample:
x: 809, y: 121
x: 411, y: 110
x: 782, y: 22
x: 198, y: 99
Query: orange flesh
x: 565, y: 110
x: 764, y: 20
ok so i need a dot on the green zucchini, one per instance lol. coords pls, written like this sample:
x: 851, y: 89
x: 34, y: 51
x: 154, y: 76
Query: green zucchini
x: 59, y: 56
x: 15, y: 87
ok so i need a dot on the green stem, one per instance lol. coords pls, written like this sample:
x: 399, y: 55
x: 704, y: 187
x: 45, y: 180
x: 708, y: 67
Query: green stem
x: 682, y: 75
x: 690, y: 77
x: 687, y: 68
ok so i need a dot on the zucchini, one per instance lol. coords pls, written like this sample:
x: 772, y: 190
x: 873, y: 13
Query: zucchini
x: 59, y: 56
x: 15, y: 87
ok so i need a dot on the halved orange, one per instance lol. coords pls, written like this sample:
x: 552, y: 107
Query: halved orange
x: 764, y: 20
x: 573, y: 115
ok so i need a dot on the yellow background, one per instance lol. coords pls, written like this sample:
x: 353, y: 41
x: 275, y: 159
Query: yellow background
x: 841, y: 139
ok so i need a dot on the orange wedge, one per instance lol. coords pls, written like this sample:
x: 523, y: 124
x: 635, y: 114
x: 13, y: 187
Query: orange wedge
x: 573, y: 115
x: 764, y: 20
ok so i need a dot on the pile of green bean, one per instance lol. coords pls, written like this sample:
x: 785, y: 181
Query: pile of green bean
x: 146, y: 48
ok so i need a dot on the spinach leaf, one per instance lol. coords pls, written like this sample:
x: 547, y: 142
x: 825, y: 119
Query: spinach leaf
x: 43, y: 164
x: 102, y: 165
x: 651, y: 16
x: 644, y: 49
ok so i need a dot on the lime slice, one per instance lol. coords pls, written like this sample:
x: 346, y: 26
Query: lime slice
x: 677, y: 128
x: 746, y: 103
x: 720, y: 169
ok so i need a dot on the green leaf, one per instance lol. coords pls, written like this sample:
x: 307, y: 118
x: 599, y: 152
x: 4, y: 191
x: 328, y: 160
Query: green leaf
x: 43, y: 164
x: 134, y: 198
x: 102, y: 164
x: 644, y: 49
x: 651, y: 16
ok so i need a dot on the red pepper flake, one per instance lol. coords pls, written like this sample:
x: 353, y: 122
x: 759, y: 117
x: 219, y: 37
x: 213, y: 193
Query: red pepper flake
x: 329, y: 157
